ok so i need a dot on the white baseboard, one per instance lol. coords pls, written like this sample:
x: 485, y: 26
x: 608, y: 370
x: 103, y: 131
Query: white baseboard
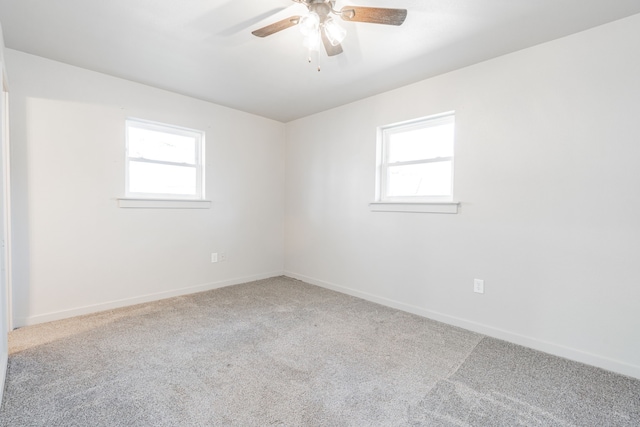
x: 110, y: 305
x: 534, y: 343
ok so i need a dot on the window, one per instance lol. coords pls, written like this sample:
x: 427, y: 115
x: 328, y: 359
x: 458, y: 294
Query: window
x: 164, y: 162
x: 415, y: 160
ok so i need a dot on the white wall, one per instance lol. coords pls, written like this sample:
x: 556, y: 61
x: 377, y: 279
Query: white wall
x: 75, y: 251
x: 547, y: 155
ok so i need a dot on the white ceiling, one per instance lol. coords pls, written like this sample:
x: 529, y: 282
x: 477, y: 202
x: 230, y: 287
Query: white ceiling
x: 204, y: 48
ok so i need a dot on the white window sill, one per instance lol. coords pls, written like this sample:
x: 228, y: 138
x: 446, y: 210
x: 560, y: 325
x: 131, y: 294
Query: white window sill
x: 164, y: 204
x: 430, y: 207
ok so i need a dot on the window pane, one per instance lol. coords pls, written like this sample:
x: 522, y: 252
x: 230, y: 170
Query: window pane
x: 162, y: 146
x: 161, y: 179
x: 428, y: 179
x: 420, y: 144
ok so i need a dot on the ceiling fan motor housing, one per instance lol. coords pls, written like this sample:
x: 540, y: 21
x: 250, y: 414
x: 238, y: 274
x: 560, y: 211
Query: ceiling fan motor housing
x: 322, y: 8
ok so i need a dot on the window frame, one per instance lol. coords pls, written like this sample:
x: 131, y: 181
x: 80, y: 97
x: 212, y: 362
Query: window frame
x: 383, y: 165
x: 199, y: 138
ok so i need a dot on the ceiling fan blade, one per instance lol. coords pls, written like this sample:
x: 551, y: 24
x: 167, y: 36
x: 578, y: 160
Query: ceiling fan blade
x: 375, y: 15
x: 276, y: 26
x: 331, y: 49
x: 242, y: 26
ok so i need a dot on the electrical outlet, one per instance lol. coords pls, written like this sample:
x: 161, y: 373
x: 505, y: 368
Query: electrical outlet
x: 478, y: 286
x: 222, y: 257
x: 214, y: 257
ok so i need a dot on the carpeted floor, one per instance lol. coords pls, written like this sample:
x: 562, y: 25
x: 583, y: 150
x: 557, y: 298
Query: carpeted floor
x: 282, y: 352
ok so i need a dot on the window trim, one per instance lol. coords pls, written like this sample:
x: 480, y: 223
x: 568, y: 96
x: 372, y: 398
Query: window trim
x: 416, y: 207
x: 382, y: 165
x: 163, y: 204
x: 199, y: 137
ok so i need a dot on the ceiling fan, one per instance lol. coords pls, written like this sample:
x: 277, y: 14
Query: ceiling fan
x: 318, y: 24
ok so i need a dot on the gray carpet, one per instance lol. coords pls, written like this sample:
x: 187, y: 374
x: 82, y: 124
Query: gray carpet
x: 282, y: 352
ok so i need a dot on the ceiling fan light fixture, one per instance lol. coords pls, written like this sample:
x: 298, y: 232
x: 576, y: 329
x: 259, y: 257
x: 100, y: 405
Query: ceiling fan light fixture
x: 334, y: 32
x: 312, y: 41
x: 309, y: 23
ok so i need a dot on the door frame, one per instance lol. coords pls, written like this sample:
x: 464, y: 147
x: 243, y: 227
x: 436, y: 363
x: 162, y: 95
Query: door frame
x: 6, y: 202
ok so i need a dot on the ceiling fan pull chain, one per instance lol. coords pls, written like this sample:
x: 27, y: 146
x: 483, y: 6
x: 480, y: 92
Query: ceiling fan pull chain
x: 314, y: 57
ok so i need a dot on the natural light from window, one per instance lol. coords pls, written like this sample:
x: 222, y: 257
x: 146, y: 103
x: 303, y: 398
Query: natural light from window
x: 415, y: 160
x: 164, y: 161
